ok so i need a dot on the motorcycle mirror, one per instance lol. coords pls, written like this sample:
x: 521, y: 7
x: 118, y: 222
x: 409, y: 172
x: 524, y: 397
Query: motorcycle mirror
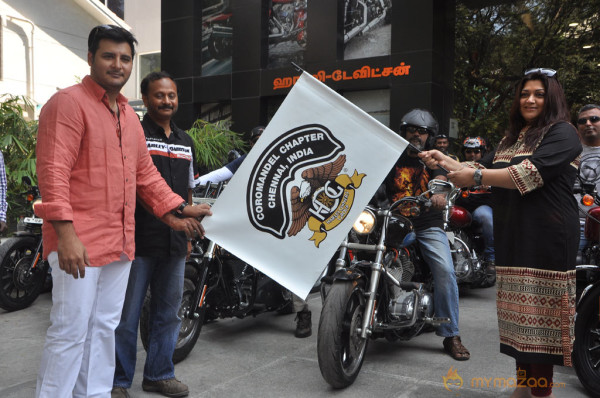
x: 440, y: 187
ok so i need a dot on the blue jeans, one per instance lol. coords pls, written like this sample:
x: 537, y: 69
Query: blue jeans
x: 483, y: 216
x: 165, y: 277
x: 436, y: 252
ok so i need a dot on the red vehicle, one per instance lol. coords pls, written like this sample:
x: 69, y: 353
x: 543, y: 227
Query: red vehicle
x: 586, y: 356
x: 466, y: 242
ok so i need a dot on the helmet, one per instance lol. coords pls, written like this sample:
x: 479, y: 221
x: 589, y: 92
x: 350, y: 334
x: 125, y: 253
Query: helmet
x: 256, y: 132
x: 474, y: 143
x: 419, y: 118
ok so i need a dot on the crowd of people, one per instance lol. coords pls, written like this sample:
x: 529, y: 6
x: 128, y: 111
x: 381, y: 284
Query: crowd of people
x: 95, y: 157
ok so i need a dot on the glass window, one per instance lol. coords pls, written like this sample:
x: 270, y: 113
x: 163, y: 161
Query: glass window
x: 148, y: 62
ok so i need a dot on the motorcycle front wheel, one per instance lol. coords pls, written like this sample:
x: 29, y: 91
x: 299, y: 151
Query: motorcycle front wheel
x: 19, y: 284
x: 190, y: 328
x: 340, y: 348
x: 586, y: 356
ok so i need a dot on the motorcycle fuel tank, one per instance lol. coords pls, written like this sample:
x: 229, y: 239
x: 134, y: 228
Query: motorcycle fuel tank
x: 460, y: 217
x: 592, y: 227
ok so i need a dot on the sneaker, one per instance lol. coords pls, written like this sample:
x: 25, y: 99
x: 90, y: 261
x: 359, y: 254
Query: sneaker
x: 119, y: 392
x: 304, y: 325
x: 168, y: 388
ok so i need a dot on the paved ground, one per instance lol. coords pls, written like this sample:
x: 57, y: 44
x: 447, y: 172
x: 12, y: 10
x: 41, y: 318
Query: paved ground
x: 259, y: 357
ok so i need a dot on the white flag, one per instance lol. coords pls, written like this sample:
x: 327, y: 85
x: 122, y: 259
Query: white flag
x: 298, y: 192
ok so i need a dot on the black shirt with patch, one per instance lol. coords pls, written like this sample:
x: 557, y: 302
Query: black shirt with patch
x: 409, y: 177
x: 175, y: 160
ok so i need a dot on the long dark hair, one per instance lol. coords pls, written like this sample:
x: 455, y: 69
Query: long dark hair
x: 555, y: 110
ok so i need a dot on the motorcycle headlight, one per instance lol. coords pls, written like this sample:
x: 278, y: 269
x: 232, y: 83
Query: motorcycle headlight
x: 365, y: 223
x: 35, y: 203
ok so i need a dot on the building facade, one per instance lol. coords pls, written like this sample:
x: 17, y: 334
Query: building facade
x: 233, y: 58
x: 43, y: 44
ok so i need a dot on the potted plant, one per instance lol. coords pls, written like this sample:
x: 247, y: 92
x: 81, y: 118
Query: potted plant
x: 213, y: 141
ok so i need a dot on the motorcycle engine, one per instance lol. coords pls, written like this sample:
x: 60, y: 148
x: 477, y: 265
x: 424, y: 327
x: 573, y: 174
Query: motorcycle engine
x: 285, y: 15
x: 403, y: 305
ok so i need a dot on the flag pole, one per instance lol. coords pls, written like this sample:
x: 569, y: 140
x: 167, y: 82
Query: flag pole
x: 297, y: 67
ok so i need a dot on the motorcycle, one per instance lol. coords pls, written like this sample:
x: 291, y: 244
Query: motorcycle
x: 24, y: 274
x: 217, y: 285
x: 466, y: 241
x: 362, y: 15
x: 287, y: 21
x: 218, y: 28
x: 385, y: 291
x: 586, y: 356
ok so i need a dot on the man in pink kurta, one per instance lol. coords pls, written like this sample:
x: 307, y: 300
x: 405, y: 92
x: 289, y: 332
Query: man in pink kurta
x: 92, y: 160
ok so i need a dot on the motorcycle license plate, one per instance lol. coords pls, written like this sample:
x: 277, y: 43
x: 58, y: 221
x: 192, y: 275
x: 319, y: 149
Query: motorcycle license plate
x: 450, y: 237
x: 33, y: 220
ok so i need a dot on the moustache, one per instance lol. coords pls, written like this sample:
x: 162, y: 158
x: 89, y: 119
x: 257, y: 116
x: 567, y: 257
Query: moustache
x: 166, y: 107
x: 417, y: 143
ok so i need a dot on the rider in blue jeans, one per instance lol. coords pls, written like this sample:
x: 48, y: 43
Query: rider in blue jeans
x: 479, y: 201
x: 160, y: 252
x: 409, y: 177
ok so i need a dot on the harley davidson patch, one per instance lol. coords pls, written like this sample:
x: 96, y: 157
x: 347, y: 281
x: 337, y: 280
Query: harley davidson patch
x: 319, y: 196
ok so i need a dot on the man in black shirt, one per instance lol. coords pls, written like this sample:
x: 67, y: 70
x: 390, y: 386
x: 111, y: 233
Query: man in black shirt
x: 160, y: 251
x: 409, y: 177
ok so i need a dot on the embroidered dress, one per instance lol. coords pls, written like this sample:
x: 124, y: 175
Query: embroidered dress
x: 536, y: 230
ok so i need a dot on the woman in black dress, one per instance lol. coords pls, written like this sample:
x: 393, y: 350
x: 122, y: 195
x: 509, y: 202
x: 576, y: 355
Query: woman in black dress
x: 536, y: 228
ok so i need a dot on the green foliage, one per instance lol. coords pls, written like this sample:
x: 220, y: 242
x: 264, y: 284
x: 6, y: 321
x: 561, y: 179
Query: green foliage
x: 494, y: 45
x: 17, y: 143
x: 213, y: 141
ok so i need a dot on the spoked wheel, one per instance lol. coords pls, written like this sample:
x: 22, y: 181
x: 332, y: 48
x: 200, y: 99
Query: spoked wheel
x: 190, y: 328
x: 586, y: 352
x: 340, y: 348
x: 19, y: 284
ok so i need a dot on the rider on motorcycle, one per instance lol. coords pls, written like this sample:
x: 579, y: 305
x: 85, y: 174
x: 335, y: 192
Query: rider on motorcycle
x: 479, y: 198
x: 409, y: 177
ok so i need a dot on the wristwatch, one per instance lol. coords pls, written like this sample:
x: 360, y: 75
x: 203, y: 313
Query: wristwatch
x: 477, y: 177
x: 179, y: 210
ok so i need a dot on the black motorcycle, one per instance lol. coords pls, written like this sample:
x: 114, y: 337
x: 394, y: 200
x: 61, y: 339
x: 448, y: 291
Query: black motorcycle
x: 586, y: 350
x: 217, y: 285
x: 23, y: 271
x: 385, y: 291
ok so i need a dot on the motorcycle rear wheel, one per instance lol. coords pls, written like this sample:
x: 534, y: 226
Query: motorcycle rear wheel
x: 340, y: 348
x: 19, y: 287
x: 190, y: 328
x: 586, y: 356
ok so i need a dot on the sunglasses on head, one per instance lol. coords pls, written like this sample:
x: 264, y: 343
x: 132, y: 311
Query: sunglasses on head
x: 475, y: 151
x: 592, y: 119
x: 415, y: 129
x: 543, y: 71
